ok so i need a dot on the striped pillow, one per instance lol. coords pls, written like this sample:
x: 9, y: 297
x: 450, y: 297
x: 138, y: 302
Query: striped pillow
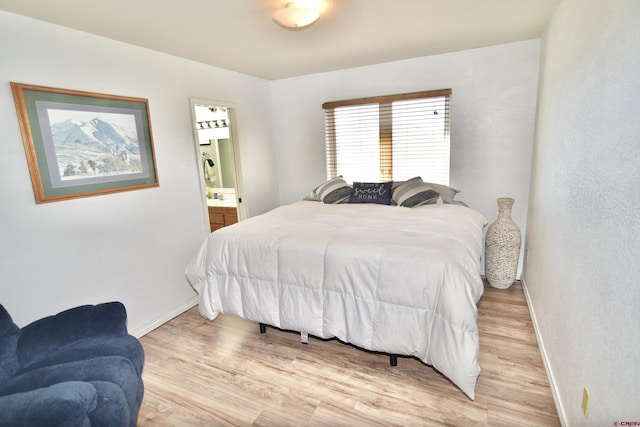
x: 414, y: 192
x: 399, y: 187
x: 336, y: 190
x: 446, y: 193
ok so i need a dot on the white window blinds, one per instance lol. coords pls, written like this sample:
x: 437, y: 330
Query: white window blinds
x: 389, y: 138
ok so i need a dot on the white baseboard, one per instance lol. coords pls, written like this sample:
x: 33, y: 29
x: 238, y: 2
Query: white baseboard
x: 545, y: 359
x: 165, y: 317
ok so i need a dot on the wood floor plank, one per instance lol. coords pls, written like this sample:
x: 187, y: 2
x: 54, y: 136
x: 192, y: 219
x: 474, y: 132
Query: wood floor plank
x: 225, y: 373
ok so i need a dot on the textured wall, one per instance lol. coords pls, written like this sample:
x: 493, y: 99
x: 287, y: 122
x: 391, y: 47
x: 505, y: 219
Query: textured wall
x: 583, y: 234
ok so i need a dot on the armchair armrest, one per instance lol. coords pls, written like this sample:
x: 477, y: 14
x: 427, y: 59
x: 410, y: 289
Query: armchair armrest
x: 62, y: 404
x: 78, y: 323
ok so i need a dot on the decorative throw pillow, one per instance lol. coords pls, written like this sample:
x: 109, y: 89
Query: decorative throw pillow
x: 447, y: 193
x: 371, y: 192
x: 336, y: 190
x: 413, y: 193
x: 400, y: 187
x: 420, y: 195
x: 396, y: 184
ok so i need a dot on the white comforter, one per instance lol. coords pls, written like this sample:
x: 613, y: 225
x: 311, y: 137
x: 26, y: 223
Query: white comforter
x: 385, y: 278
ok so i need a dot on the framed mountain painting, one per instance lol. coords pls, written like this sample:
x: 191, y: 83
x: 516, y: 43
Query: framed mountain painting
x: 81, y: 144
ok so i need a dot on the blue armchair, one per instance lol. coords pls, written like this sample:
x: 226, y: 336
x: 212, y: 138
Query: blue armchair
x: 77, y: 368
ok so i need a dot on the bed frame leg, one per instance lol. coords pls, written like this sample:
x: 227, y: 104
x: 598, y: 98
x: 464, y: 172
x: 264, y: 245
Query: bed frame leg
x: 393, y: 360
x: 304, y: 337
x: 263, y: 328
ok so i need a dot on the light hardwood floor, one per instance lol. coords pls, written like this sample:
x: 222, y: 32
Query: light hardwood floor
x: 225, y: 373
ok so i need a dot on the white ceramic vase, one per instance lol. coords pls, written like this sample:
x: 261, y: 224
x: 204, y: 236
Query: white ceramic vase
x: 502, y: 247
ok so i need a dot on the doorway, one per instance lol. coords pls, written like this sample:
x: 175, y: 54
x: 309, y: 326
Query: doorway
x: 218, y: 161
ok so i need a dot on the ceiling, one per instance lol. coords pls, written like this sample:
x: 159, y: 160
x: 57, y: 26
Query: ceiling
x: 240, y: 35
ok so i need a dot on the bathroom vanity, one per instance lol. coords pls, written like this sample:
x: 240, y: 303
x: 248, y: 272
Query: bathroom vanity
x: 222, y: 212
x: 221, y: 217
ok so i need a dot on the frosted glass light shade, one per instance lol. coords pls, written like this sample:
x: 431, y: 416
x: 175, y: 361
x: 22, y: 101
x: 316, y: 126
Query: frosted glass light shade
x: 296, y: 16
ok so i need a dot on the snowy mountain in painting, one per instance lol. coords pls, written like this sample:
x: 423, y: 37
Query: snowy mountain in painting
x: 94, y: 148
x: 98, y: 134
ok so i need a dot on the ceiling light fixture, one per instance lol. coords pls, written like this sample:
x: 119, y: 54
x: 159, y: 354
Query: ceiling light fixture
x: 297, y: 14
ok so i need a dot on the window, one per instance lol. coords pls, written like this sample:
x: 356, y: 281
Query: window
x: 388, y: 138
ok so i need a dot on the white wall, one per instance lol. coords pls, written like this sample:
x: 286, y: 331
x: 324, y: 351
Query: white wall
x: 584, y: 223
x: 131, y: 246
x: 493, y: 114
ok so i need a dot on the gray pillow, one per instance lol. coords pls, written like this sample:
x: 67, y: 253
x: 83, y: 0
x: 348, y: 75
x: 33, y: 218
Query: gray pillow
x: 417, y: 194
x: 371, y: 192
x: 447, y: 193
x: 399, y: 188
x: 336, y: 190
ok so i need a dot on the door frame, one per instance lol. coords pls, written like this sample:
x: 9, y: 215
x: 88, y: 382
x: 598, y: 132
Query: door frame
x: 233, y: 135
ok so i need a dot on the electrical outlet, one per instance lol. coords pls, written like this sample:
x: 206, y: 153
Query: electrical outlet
x: 585, y: 401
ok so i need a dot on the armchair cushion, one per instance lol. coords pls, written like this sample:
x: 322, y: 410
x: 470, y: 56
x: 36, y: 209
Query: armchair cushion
x: 70, y: 326
x: 79, y: 367
x: 115, y: 369
x: 62, y: 404
x: 9, y: 334
x: 126, y: 346
x: 112, y: 408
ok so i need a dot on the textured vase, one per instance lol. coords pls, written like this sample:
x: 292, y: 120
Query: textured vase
x: 502, y: 247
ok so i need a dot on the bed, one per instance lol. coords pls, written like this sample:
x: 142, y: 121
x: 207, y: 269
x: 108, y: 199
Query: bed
x: 390, y: 279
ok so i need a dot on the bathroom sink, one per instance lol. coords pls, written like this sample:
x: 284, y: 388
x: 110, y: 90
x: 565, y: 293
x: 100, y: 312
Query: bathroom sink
x: 230, y: 203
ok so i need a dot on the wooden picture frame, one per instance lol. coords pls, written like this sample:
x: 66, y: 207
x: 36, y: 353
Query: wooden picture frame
x: 82, y: 144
